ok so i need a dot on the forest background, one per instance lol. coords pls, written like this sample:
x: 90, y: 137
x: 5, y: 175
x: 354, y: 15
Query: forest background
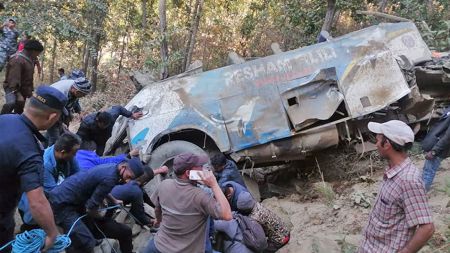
x: 109, y: 38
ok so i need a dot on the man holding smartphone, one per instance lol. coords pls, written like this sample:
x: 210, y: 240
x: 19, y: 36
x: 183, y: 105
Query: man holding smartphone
x: 183, y: 209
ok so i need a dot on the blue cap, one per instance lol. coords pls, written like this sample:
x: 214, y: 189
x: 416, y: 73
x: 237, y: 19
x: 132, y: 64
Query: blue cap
x: 136, y: 166
x: 51, y: 97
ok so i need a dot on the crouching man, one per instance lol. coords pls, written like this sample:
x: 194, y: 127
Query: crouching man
x: 83, y: 193
x: 277, y: 232
x: 400, y: 220
x: 183, y: 209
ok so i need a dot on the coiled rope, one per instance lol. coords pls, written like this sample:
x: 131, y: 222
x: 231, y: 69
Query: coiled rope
x: 33, y: 241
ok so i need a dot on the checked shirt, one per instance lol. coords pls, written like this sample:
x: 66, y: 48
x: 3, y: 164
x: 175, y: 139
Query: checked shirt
x: 401, y: 206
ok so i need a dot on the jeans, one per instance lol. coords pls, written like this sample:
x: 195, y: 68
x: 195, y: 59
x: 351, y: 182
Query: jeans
x: 151, y: 247
x: 429, y: 171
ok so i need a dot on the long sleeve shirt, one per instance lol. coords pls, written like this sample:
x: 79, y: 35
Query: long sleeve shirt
x: 89, y: 130
x: 87, y: 188
x: 54, y: 172
x: 88, y: 159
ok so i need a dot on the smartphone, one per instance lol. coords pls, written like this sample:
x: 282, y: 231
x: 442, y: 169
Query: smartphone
x: 195, y: 175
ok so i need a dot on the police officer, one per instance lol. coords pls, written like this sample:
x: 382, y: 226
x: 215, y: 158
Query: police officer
x: 21, y: 162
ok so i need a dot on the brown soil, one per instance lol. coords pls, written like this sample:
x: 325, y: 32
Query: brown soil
x: 322, y: 227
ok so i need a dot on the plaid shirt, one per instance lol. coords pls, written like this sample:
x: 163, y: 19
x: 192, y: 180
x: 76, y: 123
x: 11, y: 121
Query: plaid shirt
x: 400, y: 207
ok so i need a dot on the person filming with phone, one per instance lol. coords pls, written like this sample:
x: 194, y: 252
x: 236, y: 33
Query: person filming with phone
x: 182, y: 209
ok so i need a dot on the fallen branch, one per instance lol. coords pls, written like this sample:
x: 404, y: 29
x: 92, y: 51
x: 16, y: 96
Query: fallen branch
x: 384, y: 15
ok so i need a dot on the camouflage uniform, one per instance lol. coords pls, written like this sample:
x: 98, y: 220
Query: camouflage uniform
x: 8, y: 45
x: 276, y: 231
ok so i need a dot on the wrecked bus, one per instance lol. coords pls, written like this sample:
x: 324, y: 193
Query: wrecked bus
x: 285, y: 106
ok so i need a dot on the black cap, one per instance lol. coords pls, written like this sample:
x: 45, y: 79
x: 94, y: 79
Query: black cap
x: 51, y: 97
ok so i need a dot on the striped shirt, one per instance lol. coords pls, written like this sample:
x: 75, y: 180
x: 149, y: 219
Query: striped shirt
x: 400, y: 207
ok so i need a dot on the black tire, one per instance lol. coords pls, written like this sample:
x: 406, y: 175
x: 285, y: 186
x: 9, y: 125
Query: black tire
x: 164, y: 154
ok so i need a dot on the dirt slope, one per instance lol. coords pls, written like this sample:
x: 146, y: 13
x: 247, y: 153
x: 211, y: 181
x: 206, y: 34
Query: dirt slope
x: 336, y: 227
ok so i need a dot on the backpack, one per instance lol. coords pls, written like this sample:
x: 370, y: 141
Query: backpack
x: 253, y: 233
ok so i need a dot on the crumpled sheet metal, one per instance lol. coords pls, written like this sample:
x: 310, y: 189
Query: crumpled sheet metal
x: 240, y: 106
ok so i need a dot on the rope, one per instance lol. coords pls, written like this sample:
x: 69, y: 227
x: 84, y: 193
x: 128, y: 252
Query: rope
x: 33, y: 241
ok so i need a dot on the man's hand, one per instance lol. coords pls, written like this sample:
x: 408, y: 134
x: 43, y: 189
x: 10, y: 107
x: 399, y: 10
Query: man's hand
x: 429, y: 155
x: 137, y: 115
x: 161, y: 170
x: 49, y: 241
x: 118, y: 202
x: 134, y: 152
x: 208, y: 179
x: 156, y: 223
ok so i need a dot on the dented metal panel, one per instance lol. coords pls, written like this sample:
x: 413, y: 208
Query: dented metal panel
x: 372, y: 83
x: 308, y: 100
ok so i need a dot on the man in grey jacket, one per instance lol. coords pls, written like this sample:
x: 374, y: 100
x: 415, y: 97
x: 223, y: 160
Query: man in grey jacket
x: 436, y: 146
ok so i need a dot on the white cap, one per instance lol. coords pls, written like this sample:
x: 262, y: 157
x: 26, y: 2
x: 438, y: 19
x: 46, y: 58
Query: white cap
x: 395, y: 130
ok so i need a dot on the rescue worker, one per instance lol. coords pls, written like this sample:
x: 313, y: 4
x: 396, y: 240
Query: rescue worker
x: 74, y: 90
x: 21, y: 162
x: 18, y: 84
x: 130, y: 192
x: 59, y: 163
x: 97, y: 127
x: 183, y: 208
x: 8, y: 45
x: 83, y: 193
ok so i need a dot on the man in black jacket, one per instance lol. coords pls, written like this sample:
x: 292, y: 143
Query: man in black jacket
x: 436, y: 146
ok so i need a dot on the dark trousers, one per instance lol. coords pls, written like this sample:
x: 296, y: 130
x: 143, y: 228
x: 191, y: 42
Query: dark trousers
x: 87, y: 230
x: 6, y: 230
x: 112, y: 229
x: 133, y: 194
x: 54, y: 132
x: 13, y: 102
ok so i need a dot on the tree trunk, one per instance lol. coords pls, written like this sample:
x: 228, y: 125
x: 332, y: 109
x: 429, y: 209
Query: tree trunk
x: 144, y: 14
x: 329, y: 16
x: 94, y: 61
x: 83, y: 55
x: 86, y: 58
x: 164, y: 46
x: 52, y: 63
x: 192, y: 34
x: 382, y: 5
x: 121, y: 55
x: 43, y: 60
x: 430, y: 8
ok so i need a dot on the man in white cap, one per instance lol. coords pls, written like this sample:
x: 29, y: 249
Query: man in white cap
x: 400, y: 220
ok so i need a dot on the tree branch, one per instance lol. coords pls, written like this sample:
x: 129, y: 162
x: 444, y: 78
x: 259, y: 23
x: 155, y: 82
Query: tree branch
x: 384, y: 15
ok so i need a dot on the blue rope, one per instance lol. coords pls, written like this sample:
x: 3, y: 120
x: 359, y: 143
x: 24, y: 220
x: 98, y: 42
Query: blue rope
x: 33, y: 241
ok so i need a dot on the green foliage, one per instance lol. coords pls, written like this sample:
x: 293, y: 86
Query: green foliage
x: 246, y: 27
